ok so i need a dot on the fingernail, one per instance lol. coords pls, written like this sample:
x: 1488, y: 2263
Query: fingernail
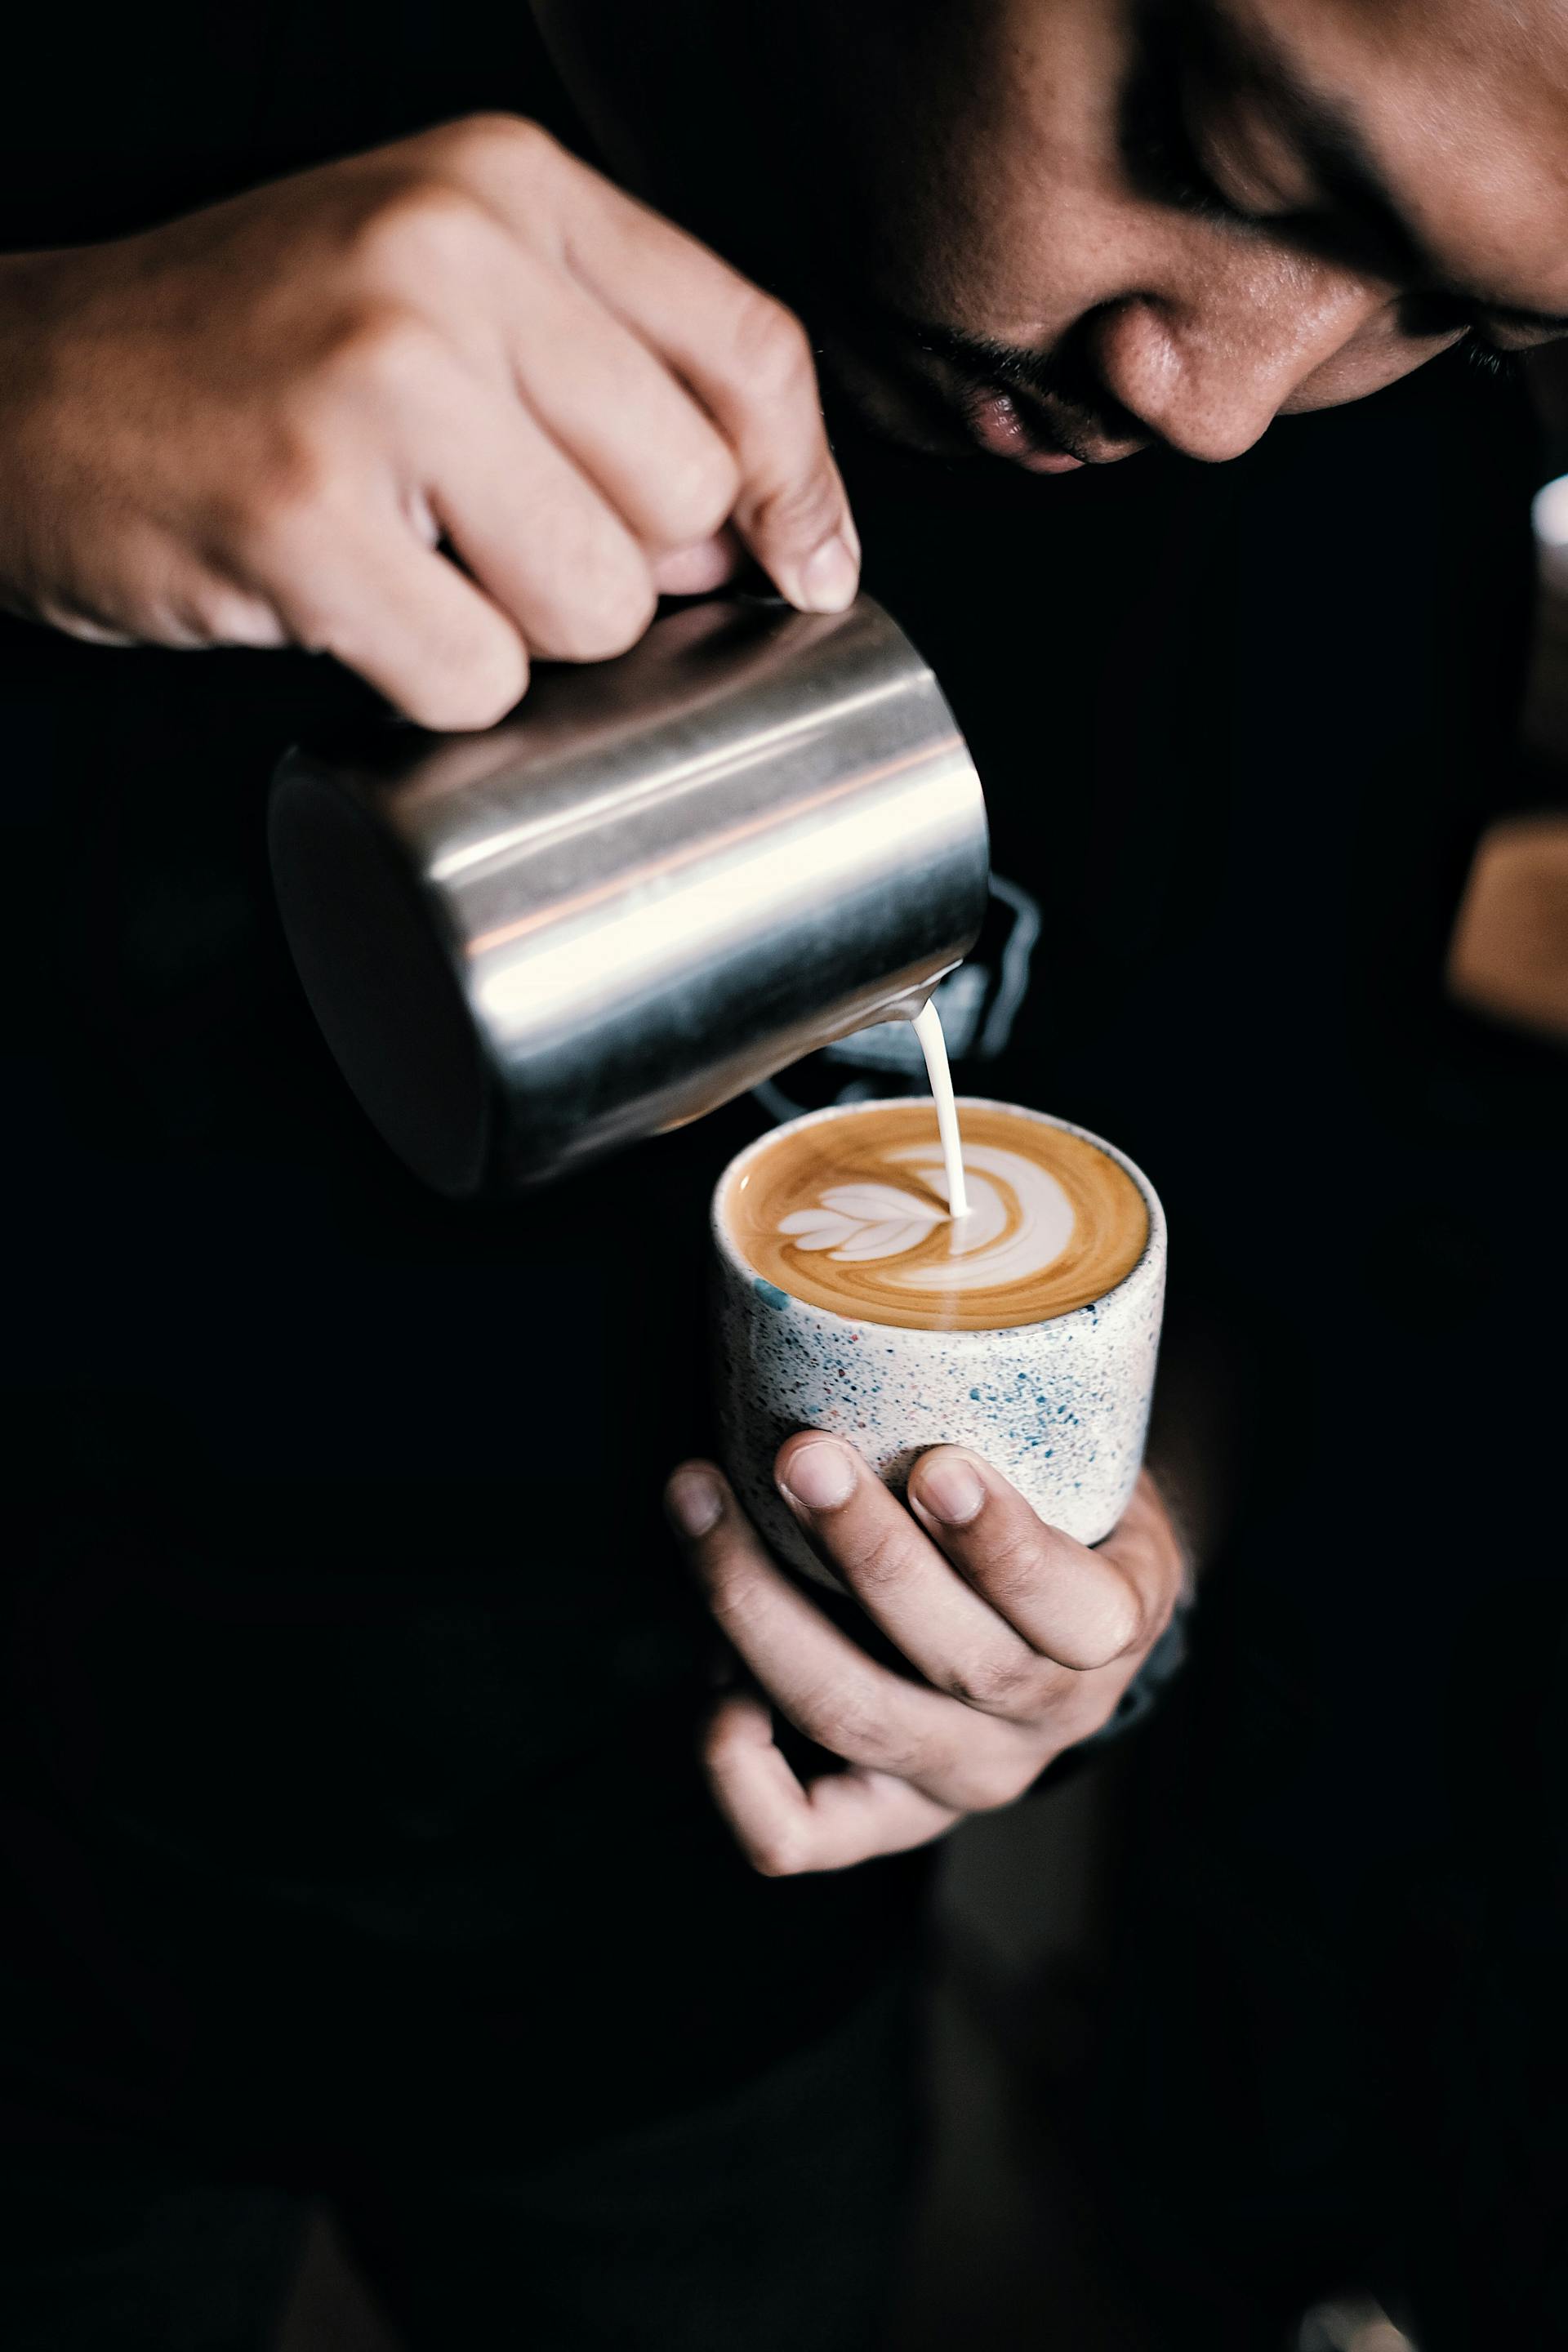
x: 694, y: 1501
x: 829, y: 578
x: 820, y: 1476
x: 950, y: 1491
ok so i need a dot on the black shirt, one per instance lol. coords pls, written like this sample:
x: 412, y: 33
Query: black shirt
x: 347, y: 1648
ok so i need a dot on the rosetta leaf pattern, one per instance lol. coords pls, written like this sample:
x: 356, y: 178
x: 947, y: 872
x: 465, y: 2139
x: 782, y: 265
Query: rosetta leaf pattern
x: 858, y: 1222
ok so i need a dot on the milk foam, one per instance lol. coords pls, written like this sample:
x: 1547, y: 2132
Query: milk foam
x: 849, y: 1211
x: 857, y: 1222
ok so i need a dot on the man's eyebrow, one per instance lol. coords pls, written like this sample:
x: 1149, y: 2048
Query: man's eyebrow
x: 1324, y: 134
x: 1330, y: 142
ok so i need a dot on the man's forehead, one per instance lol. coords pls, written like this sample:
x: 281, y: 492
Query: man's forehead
x: 1462, y: 107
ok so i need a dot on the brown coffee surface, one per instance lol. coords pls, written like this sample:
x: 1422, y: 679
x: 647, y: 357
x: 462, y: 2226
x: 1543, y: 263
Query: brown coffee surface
x: 851, y: 1214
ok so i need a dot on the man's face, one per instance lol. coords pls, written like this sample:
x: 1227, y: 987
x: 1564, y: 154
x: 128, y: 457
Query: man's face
x: 1060, y: 230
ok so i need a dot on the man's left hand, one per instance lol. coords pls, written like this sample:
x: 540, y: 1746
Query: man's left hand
x: 1021, y: 1643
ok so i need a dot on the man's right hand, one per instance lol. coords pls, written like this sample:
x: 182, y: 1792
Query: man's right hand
x: 432, y: 410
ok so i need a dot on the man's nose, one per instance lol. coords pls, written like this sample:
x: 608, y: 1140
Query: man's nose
x: 1209, y: 375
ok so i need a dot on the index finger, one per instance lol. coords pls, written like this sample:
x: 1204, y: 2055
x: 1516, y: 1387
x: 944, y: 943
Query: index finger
x: 847, y: 1702
x: 943, y: 1625
x: 749, y: 362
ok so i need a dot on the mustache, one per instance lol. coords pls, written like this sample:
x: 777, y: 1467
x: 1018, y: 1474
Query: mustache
x: 1061, y: 386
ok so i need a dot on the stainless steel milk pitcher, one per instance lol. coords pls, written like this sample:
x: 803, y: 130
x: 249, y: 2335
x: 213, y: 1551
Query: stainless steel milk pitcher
x: 662, y: 879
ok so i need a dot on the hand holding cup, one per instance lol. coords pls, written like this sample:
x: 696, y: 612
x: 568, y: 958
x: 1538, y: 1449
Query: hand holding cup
x: 963, y: 1405
x: 1021, y: 1640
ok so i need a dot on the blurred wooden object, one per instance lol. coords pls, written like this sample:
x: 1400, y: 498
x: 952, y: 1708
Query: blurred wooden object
x: 1509, y: 956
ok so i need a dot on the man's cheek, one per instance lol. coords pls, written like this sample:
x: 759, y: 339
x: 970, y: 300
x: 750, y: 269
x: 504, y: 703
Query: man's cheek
x: 1363, y: 368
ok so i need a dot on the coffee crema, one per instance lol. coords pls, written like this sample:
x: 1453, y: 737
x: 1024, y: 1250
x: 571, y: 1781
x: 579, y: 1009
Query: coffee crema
x: 851, y: 1214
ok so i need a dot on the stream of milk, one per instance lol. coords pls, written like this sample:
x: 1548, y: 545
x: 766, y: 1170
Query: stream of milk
x: 933, y: 1045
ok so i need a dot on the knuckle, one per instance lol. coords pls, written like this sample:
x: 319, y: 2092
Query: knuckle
x: 494, y: 137
x: 269, y: 527
x: 1014, y: 1561
x: 801, y: 513
x: 378, y: 354
x: 470, y: 695
x: 219, y: 613
x: 847, y: 1723
x: 727, y: 1598
x: 482, y: 702
x: 731, y: 1595
x: 1076, y: 1722
x: 423, y: 226
x: 1119, y: 1626
x: 721, y: 1743
x: 611, y: 618
x: 394, y: 351
x: 993, y: 1685
x: 1156, y: 1620
x: 780, y: 1852
x: 878, y: 1560
x: 382, y: 356
x: 988, y: 1787
x: 700, y: 493
x: 1124, y: 1626
x: 772, y: 349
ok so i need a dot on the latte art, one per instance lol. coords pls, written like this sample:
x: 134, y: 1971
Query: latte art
x: 1014, y: 1228
x: 850, y: 1213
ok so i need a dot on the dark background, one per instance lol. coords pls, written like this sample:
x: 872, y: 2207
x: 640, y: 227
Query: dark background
x: 1267, y: 2007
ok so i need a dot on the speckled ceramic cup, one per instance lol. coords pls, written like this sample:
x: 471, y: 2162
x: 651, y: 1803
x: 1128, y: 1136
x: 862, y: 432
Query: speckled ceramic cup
x: 1060, y: 1407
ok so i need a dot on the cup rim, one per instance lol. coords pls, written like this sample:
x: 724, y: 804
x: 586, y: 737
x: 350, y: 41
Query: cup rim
x: 730, y: 1251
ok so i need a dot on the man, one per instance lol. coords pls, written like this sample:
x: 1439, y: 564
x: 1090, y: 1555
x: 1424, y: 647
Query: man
x: 354, y: 1845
